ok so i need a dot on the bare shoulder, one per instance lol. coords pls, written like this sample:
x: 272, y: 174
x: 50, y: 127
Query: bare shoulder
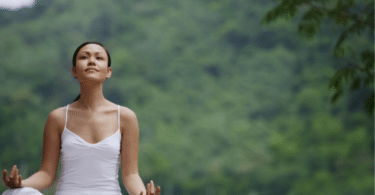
x: 127, y: 117
x: 58, y: 117
x: 126, y: 113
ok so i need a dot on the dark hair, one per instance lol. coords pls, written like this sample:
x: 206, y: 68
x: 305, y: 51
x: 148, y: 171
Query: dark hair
x: 76, y: 53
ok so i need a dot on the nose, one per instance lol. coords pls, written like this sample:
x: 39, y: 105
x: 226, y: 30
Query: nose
x: 91, y: 60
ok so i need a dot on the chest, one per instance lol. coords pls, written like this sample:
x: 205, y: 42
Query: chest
x: 93, y: 127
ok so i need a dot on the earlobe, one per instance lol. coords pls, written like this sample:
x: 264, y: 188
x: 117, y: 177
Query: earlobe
x: 73, y: 72
x: 109, y: 72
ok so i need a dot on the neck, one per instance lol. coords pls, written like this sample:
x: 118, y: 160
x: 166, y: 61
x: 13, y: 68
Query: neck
x: 91, y: 97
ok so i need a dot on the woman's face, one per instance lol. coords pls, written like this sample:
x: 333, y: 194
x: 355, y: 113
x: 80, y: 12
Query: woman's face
x: 92, y: 64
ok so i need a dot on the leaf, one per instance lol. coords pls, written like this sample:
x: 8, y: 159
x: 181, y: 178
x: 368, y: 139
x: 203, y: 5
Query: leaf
x: 369, y: 79
x: 365, y: 56
x: 349, y: 71
x: 370, y: 17
x: 335, y: 81
x: 356, y: 27
x: 339, y: 52
x: 368, y: 59
x: 369, y: 104
x: 355, y: 84
x: 336, y: 96
x: 313, y: 14
x: 285, y: 9
x: 337, y: 49
x: 340, y: 75
x: 308, y: 29
x: 292, y: 12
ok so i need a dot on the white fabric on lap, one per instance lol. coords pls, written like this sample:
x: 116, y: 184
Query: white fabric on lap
x: 86, y: 192
x: 22, y: 191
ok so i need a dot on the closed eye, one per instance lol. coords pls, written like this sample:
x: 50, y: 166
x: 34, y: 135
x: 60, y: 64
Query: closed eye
x: 86, y: 57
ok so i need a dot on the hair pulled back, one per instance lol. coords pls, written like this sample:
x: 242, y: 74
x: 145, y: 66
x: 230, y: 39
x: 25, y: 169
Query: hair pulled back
x: 76, y: 53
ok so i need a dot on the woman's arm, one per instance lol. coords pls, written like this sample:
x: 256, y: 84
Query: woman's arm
x: 129, y: 155
x: 134, y: 185
x: 50, y: 159
x: 39, y: 180
x: 51, y: 152
x: 129, y: 152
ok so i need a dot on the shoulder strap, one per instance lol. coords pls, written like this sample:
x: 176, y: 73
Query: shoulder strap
x: 118, y: 106
x: 66, y: 114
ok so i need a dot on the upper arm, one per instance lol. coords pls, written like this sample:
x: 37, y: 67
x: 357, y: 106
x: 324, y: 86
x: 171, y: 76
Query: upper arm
x: 129, y: 142
x: 51, y: 144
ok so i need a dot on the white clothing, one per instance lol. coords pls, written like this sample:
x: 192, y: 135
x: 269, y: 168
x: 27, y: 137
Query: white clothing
x: 86, y: 168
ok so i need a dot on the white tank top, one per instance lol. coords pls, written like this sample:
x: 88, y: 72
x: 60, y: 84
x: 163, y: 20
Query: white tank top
x: 89, y: 168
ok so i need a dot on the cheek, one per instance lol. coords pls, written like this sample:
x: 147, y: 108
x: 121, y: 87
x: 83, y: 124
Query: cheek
x: 79, y: 67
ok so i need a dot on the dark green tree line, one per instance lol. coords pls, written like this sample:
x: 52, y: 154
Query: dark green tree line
x: 354, y: 22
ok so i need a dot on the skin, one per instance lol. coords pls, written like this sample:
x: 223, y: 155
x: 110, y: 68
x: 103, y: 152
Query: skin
x: 92, y: 81
x: 91, y: 101
x: 14, y: 180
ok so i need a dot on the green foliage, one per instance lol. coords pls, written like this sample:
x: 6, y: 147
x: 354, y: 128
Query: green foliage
x: 310, y: 24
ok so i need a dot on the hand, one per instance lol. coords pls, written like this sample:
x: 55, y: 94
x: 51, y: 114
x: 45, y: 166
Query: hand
x: 14, y: 180
x: 151, y: 189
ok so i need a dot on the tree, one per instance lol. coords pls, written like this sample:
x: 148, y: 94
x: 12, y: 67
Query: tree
x: 354, y: 23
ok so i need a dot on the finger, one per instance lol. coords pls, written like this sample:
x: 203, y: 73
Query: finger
x: 158, y: 190
x: 15, y: 176
x: 10, y: 178
x: 13, y: 180
x: 152, y: 187
x: 16, y: 173
x: 16, y: 181
x: 12, y: 172
x: 148, y: 189
x: 141, y: 192
x: 20, y: 181
x: 11, y: 175
x: 5, y: 176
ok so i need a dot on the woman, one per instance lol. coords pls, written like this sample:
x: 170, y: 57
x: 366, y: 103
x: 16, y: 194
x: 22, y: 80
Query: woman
x: 89, y: 138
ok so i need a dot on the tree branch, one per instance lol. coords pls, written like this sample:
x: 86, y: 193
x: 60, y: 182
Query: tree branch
x: 342, y: 14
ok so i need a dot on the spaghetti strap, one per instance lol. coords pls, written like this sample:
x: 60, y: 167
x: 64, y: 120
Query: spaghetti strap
x: 66, y: 114
x: 118, y: 114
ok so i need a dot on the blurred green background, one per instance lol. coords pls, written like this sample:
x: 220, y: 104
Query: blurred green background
x: 239, y: 97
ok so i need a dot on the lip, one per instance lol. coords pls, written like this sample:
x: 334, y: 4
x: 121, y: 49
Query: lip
x: 91, y: 69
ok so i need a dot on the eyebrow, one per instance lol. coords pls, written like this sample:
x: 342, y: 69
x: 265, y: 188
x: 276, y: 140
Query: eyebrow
x: 89, y: 52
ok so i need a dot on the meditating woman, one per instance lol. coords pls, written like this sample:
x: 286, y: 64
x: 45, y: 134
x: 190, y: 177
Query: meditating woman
x: 92, y: 135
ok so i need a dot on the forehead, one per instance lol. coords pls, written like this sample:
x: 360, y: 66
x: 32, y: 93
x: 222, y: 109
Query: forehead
x: 92, y: 48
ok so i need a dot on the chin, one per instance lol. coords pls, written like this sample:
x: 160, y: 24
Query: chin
x: 92, y: 80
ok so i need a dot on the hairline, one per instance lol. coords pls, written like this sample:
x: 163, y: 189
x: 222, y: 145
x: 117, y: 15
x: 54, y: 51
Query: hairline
x: 88, y: 52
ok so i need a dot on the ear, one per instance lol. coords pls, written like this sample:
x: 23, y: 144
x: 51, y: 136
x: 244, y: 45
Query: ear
x: 109, y: 72
x: 74, y: 71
